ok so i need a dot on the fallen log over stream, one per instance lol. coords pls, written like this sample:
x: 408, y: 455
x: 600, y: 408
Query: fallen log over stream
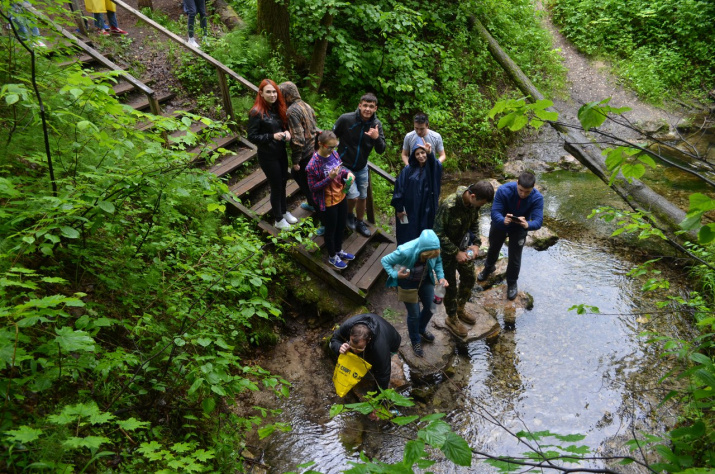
x: 636, y: 194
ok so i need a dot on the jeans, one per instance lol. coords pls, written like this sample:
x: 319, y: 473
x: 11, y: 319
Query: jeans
x: 417, y: 320
x: 517, y: 238
x: 191, y: 7
x: 358, y: 190
x: 21, y: 21
x: 99, y: 22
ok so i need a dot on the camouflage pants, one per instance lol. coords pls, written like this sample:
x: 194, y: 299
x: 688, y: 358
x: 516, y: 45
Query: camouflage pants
x: 467, y: 278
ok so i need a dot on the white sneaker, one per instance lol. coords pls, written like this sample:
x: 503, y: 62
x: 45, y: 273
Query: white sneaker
x: 192, y: 42
x: 40, y: 44
x: 283, y: 224
x: 290, y: 218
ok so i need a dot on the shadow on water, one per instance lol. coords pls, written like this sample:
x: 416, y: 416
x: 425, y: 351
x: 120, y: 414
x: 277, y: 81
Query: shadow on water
x: 589, y: 374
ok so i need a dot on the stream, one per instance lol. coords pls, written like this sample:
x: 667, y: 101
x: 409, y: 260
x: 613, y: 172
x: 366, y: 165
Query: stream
x: 591, y: 374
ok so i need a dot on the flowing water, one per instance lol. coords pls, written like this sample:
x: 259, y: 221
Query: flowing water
x: 590, y: 374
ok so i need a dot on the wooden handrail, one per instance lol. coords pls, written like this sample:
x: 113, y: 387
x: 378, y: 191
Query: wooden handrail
x: 197, y: 52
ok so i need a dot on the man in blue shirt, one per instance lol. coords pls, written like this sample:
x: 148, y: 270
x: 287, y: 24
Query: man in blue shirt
x: 517, y: 209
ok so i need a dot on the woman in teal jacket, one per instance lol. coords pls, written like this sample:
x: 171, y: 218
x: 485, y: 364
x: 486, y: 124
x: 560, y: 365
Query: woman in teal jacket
x: 422, y: 270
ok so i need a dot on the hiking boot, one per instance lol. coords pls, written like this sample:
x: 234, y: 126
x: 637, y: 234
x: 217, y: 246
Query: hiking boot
x: 346, y: 256
x: 427, y: 336
x: 484, y: 274
x: 465, y: 317
x: 282, y: 224
x: 361, y: 227
x: 417, y: 349
x: 290, y: 218
x: 337, y: 263
x: 351, y: 221
x: 511, y: 291
x: 455, y: 327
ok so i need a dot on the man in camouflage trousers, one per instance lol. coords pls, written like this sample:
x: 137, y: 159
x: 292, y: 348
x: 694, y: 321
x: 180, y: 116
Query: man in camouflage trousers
x: 457, y: 216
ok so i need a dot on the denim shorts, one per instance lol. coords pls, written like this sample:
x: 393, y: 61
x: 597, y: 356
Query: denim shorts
x: 358, y: 190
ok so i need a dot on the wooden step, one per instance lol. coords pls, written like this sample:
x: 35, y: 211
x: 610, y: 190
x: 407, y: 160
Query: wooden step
x: 122, y: 88
x: 196, y: 127
x: 249, y: 183
x: 372, y: 268
x: 213, y: 145
x: 143, y: 103
x: 84, y: 59
x: 264, y: 205
x: 229, y: 163
x: 175, y: 113
x: 356, y: 242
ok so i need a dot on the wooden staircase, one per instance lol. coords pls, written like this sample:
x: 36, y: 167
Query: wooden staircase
x: 249, y: 194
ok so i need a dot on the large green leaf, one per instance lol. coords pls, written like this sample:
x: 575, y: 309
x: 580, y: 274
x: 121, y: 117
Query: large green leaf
x: 457, y: 450
x: 24, y: 434
x: 71, y: 340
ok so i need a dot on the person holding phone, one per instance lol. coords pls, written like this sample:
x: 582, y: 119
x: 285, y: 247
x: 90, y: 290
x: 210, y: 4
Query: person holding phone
x: 517, y: 209
x: 327, y: 180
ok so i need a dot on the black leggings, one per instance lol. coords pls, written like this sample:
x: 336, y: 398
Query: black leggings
x: 276, y: 170
x: 334, y: 218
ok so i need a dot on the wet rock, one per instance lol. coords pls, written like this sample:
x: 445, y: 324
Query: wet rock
x: 496, y: 276
x: 685, y: 125
x: 397, y: 376
x: 437, y: 355
x: 541, y: 239
x: 485, y: 326
x: 512, y: 169
x: 569, y: 163
x: 351, y: 435
x: 424, y: 393
x: 650, y: 127
x: 494, y: 302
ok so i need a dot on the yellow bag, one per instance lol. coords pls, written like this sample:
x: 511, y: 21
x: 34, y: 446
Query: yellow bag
x: 349, y: 370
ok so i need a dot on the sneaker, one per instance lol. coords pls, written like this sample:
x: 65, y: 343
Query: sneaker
x: 351, y: 221
x: 511, y: 291
x: 465, y: 317
x: 102, y: 32
x: 117, y: 31
x: 282, y: 224
x: 337, y: 263
x: 192, y: 42
x: 361, y: 227
x: 455, y: 327
x: 484, y: 274
x: 346, y: 256
x: 427, y: 336
x: 307, y: 207
x: 320, y: 231
x: 290, y: 218
x: 417, y: 349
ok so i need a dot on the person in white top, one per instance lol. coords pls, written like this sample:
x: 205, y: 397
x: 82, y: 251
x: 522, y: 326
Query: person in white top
x: 431, y: 138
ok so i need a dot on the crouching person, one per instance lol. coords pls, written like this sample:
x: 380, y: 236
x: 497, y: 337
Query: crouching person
x: 372, y: 338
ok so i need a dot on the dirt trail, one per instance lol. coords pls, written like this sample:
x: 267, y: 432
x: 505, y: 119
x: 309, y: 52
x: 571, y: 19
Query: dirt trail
x: 587, y: 80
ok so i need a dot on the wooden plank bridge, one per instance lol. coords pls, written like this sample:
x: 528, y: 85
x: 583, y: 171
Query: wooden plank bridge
x: 248, y: 195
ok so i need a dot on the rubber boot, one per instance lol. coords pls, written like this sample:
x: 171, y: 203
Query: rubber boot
x: 455, y: 327
x: 465, y: 317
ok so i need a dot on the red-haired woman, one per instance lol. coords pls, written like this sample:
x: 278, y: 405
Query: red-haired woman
x: 268, y: 129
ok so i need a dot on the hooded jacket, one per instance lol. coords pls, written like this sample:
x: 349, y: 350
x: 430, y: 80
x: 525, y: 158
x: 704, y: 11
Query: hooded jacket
x: 301, y: 122
x: 417, y: 192
x: 507, y: 201
x: 385, y: 340
x: 355, y: 146
x: 408, y: 254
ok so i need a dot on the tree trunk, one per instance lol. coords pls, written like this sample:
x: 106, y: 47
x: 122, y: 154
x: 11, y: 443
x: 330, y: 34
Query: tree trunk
x: 638, y: 195
x: 145, y: 4
x: 320, y: 50
x: 273, y: 18
x: 228, y: 15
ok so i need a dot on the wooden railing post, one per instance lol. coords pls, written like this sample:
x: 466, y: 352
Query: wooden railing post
x: 370, y: 205
x: 226, y: 96
x: 77, y: 14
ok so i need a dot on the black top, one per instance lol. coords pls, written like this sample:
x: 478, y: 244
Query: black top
x: 260, y: 132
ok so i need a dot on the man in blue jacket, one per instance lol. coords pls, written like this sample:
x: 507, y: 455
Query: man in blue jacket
x: 359, y: 132
x: 517, y: 209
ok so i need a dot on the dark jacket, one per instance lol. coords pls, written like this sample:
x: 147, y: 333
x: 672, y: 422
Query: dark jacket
x: 417, y: 192
x: 507, y: 201
x: 355, y: 146
x: 385, y: 340
x: 260, y: 132
x: 303, y: 131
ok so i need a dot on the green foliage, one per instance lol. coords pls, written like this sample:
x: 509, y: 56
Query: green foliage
x: 660, y: 46
x: 432, y: 431
x: 128, y: 299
